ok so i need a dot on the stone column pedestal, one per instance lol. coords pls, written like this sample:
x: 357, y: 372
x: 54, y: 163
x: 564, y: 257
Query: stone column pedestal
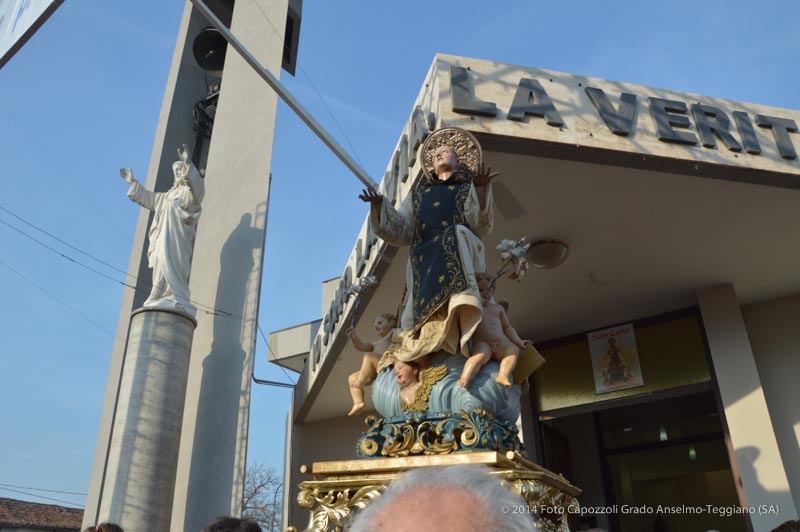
x: 142, y: 462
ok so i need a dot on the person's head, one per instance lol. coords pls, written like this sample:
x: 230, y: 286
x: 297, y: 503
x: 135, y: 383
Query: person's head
x: 485, y: 286
x: 789, y: 526
x: 384, y: 323
x: 232, y: 524
x: 104, y: 527
x: 445, y: 159
x: 460, y: 498
x: 406, y: 373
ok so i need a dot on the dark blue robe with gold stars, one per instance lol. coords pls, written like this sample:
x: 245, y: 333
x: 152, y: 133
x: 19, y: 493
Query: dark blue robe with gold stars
x: 436, y: 266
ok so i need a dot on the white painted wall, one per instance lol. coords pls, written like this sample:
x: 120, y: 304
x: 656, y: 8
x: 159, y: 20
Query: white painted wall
x: 775, y: 338
x: 759, y: 466
x: 226, y: 273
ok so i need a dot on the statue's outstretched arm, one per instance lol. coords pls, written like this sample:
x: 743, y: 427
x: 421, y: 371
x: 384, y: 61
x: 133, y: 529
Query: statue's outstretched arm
x: 137, y: 193
x: 393, y: 226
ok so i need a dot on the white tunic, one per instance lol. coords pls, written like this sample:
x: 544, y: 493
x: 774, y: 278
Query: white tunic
x: 440, y: 331
x: 172, y: 235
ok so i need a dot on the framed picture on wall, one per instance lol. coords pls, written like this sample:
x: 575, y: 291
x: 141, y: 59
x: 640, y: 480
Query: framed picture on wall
x: 615, y: 359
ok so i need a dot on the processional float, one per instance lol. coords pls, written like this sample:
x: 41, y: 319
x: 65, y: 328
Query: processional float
x: 434, y: 412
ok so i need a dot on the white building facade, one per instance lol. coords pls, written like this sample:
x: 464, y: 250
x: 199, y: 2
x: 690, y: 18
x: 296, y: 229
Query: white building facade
x: 679, y: 211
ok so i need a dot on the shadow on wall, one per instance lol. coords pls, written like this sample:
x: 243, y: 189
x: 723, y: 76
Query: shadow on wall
x: 216, y: 431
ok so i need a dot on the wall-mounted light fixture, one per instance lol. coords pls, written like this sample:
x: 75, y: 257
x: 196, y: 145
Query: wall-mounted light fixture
x: 547, y: 253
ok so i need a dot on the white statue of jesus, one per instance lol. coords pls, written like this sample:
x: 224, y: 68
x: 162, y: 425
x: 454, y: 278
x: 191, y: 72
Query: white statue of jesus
x: 172, y: 232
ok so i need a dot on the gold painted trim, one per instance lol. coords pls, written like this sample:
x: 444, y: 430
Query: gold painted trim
x: 343, y: 487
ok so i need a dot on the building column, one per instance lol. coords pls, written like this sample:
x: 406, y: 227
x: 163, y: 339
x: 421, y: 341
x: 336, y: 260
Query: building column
x: 759, y: 472
x: 143, y: 454
x: 226, y: 275
x: 185, y: 86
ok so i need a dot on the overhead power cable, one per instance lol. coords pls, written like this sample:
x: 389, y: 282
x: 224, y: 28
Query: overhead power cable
x: 73, y: 504
x: 269, y: 347
x: 208, y: 309
x: 65, y: 174
x: 310, y: 82
x: 202, y: 307
x: 42, y: 489
x: 54, y: 237
x: 57, y: 300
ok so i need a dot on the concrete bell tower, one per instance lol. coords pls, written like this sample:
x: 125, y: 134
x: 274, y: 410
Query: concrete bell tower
x: 201, y: 475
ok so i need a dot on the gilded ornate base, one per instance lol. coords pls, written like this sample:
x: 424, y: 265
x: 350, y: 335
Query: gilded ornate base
x: 339, y: 488
x: 424, y: 433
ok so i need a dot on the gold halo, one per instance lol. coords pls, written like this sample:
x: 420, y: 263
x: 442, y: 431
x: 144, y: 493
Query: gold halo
x: 462, y: 141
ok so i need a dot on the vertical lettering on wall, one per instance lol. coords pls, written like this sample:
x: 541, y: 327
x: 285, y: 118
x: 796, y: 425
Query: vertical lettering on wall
x: 532, y: 99
x: 390, y: 187
x: 315, y: 351
x: 669, y: 114
x: 747, y: 132
x: 403, y: 159
x: 781, y: 127
x: 360, y: 262
x: 327, y: 326
x: 394, y: 167
x: 372, y: 239
x: 347, y: 277
x: 712, y: 121
x: 418, y: 131
x: 337, y: 303
x: 620, y: 122
x: 463, y: 96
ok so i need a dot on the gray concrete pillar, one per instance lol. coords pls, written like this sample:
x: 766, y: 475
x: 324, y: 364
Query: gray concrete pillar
x: 758, y: 468
x: 226, y: 274
x: 143, y: 455
x: 185, y: 86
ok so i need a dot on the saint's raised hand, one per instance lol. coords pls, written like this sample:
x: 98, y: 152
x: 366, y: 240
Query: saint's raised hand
x: 370, y: 195
x: 126, y: 174
x: 183, y: 153
x: 484, y: 176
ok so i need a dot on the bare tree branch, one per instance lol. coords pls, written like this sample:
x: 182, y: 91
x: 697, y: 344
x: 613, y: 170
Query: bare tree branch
x: 263, y: 497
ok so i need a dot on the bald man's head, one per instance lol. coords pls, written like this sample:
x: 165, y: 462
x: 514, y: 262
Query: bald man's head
x: 457, y: 498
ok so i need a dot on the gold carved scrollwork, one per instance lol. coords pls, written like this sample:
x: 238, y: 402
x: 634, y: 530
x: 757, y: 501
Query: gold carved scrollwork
x: 438, y: 434
x: 554, y: 506
x: 340, y: 489
x: 401, y: 441
x: 331, y: 509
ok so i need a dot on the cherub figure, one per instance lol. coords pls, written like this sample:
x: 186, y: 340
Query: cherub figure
x: 495, y: 338
x: 384, y: 325
x: 416, y: 380
x: 407, y: 376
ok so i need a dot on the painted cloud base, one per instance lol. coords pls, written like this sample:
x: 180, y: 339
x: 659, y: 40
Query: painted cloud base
x: 447, y: 396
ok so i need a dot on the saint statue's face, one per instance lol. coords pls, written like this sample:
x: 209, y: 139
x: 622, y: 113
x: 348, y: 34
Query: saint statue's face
x: 444, y: 159
x: 405, y: 374
x: 179, y: 173
x: 382, y: 325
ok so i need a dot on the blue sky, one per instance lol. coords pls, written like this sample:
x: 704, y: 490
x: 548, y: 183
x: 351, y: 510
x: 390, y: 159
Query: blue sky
x: 88, y: 89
